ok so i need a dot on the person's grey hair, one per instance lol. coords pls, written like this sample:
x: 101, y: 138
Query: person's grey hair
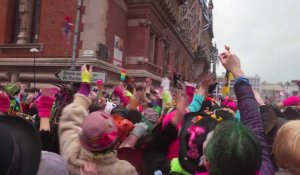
x: 52, y: 163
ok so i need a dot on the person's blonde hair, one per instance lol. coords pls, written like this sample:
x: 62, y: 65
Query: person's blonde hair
x: 286, y: 147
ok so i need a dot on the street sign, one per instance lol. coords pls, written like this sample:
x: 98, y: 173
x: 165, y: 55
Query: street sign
x: 88, y: 53
x: 75, y: 76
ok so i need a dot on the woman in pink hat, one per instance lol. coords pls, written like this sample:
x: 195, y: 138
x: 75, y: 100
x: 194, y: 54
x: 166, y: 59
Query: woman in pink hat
x: 86, y: 138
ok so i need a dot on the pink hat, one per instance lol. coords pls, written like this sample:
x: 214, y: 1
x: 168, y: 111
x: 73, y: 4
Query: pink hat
x: 99, y: 82
x: 229, y: 102
x: 291, y: 101
x: 98, y: 132
x: 4, y: 102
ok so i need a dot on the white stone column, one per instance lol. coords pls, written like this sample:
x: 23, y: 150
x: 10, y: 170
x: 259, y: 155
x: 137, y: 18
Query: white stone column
x: 14, y: 77
x: 26, y: 12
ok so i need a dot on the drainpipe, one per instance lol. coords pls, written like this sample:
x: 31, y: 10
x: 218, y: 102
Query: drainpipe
x: 75, y: 39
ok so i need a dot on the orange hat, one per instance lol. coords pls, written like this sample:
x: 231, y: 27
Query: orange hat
x: 124, y: 126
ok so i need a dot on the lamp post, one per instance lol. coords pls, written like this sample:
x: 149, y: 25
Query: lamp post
x: 34, y: 51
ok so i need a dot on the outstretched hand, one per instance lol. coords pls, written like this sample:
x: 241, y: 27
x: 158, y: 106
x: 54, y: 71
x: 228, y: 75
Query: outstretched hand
x: 231, y: 63
x: 86, y: 74
x: 205, y: 81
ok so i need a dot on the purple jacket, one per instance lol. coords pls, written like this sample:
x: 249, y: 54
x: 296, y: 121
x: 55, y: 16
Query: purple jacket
x: 250, y: 116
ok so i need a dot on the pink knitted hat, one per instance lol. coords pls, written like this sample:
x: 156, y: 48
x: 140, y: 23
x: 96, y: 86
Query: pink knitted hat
x: 98, y: 132
x: 4, y: 102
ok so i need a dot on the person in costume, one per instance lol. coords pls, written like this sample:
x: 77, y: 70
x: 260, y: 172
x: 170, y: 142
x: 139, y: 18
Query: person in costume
x: 90, y: 137
x: 221, y: 155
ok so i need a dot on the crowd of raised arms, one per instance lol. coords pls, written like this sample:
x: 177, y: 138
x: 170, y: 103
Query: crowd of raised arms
x: 86, y: 129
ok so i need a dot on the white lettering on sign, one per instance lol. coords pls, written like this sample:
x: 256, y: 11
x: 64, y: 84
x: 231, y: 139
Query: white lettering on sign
x: 88, y: 53
x: 75, y: 76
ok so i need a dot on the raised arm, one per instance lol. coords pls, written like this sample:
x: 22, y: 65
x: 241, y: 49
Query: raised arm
x: 72, y: 118
x: 248, y: 106
x: 200, y: 93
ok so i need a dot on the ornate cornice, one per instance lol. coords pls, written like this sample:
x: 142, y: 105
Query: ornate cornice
x: 169, y: 7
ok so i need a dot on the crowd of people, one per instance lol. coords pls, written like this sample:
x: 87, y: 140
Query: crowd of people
x: 82, y: 129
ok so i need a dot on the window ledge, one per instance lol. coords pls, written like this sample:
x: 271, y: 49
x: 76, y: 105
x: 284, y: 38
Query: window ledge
x: 27, y: 46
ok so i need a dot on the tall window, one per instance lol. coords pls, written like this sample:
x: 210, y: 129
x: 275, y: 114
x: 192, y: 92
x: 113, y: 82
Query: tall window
x: 26, y: 21
x: 152, y: 48
x: 16, y: 22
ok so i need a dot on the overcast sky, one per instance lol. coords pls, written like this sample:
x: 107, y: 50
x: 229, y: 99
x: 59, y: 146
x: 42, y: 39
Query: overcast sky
x: 265, y: 34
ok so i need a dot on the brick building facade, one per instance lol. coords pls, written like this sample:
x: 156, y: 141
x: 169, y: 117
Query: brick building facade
x: 149, y: 38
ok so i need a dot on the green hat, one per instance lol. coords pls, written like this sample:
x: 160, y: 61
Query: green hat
x: 11, y: 89
x: 157, y: 109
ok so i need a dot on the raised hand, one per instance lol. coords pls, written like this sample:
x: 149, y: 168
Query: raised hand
x: 148, y: 85
x: 181, y: 105
x: 206, y: 79
x: 86, y: 75
x: 165, y: 83
x: 44, y: 105
x: 148, y: 82
x: 231, y: 63
x: 22, y: 89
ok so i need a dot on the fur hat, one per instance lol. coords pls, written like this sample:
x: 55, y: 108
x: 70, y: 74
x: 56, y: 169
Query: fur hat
x: 99, y: 132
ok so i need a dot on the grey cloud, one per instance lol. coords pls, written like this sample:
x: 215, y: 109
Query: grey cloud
x: 265, y: 34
